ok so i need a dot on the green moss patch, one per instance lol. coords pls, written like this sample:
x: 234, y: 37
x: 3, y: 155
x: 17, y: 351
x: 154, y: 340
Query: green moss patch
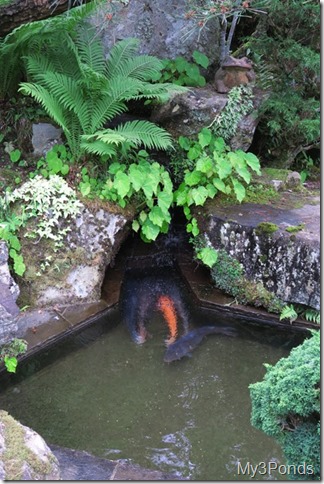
x: 228, y: 275
x: 266, y: 228
x: 295, y: 228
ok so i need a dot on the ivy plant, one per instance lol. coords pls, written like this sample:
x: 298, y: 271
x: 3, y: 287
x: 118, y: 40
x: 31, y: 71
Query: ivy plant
x: 215, y: 169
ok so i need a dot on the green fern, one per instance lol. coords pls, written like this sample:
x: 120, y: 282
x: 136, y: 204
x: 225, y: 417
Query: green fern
x: 35, y: 37
x: 81, y: 99
x: 135, y: 133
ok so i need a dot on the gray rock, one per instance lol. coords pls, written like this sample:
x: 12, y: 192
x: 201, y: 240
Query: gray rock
x: 293, y: 180
x: 30, y: 458
x: 9, y: 292
x: 45, y: 136
x: 288, y: 264
x: 186, y: 114
x: 76, y: 272
x: 161, y: 27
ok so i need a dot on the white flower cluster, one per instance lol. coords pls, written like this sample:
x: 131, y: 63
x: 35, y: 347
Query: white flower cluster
x: 51, y: 201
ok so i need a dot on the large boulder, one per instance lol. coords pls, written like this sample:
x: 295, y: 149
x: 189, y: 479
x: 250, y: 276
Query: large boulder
x: 161, y: 26
x: 186, y: 114
x: 24, y: 455
x: 9, y: 291
x: 277, y: 247
x: 75, y: 273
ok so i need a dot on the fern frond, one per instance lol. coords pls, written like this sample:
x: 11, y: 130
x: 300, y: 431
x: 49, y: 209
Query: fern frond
x: 162, y: 91
x: 120, y: 53
x: 104, y: 110
x: 51, y: 105
x: 65, y: 90
x: 145, y: 133
x: 90, y: 50
x: 37, y: 65
x: 142, y: 67
x: 97, y: 148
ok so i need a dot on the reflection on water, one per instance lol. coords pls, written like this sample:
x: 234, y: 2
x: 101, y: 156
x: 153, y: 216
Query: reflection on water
x: 101, y: 393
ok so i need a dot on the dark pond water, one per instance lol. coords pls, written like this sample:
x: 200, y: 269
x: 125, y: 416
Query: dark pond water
x: 100, y: 392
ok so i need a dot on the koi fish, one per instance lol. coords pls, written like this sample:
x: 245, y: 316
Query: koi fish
x: 166, y: 306
x: 191, y: 340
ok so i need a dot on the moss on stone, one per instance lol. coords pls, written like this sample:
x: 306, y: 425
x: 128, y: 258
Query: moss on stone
x: 228, y: 275
x: 266, y: 228
x: 295, y: 228
x: 16, y: 452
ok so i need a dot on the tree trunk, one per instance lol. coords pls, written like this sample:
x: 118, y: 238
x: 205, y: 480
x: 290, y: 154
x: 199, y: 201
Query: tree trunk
x: 17, y: 12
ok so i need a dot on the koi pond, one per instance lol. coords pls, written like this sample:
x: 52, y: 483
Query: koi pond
x: 100, y: 392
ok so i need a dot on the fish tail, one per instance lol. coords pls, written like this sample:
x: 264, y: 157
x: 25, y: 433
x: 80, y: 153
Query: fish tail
x: 166, y: 306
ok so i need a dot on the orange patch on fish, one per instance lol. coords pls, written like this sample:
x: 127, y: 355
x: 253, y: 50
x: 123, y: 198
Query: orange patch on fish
x: 166, y: 306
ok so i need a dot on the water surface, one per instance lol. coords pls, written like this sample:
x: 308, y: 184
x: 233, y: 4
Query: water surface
x: 100, y: 392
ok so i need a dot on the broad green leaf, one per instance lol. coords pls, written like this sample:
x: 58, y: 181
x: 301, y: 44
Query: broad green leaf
x: 195, y: 231
x: 136, y: 176
x: 204, y: 164
x: 149, y: 185
x: 164, y: 201
x: 192, y: 71
x: 194, y: 152
x: 238, y: 189
x: 204, y: 137
x: 19, y: 266
x: 85, y: 188
x: 219, y: 144
x: 54, y: 163
x: 15, y: 155
x: 135, y: 225
x: 10, y: 363
x: 181, y: 64
x: 157, y: 216
x: 219, y: 184
x: 208, y: 256
x: 150, y: 230
x: 187, y: 212
x: 223, y: 167
x: 180, y: 195
x: 14, y: 242
x: 65, y: 169
x: 211, y: 190
x: 116, y: 167
x: 184, y: 143
x: 121, y: 184
x: 199, y: 195
x: 192, y: 178
x: 200, y: 58
x: 239, y: 165
x: 253, y: 162
x: 143, y: 216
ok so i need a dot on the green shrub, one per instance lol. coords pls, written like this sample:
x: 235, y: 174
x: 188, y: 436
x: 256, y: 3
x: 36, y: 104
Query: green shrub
x: 286, y: 405
x: 288, y: 40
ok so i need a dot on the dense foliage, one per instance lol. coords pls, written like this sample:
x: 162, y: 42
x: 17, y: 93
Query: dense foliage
x: 286, y: 405
x: 287, y: 45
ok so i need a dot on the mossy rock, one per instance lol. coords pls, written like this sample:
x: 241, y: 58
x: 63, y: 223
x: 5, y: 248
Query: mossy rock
x: 25, y: 454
